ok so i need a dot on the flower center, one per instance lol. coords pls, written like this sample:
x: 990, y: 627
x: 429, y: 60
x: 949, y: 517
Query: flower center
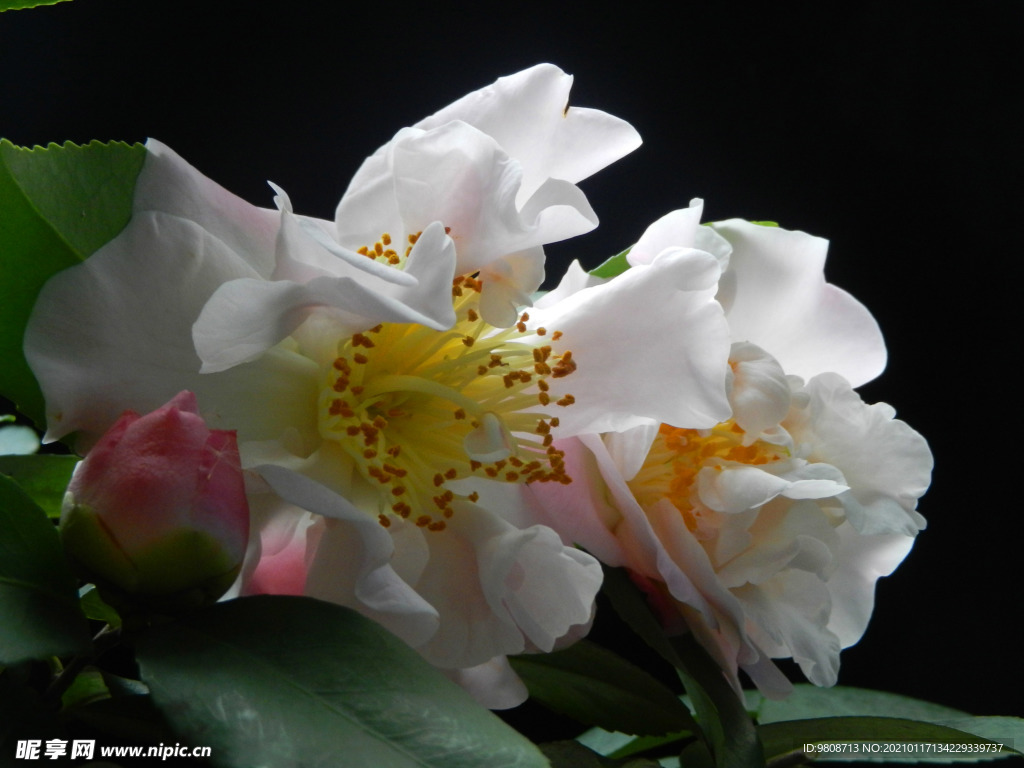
x: 419, y: 409
x: 677, y: 455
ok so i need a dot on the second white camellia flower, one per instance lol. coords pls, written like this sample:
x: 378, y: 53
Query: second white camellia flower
x: 763, y: 535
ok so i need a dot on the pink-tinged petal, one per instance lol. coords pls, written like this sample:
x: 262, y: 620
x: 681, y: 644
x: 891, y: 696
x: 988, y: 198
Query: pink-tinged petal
x: 666, y: 307
x: 493, y: 684
x: 352, y: 562
x: 508, y: 283
x: 528, y: 115
x: 246, y: 317
x: 583, y: 512
x: 775, y: 296
x: 168, y: 184
x: 115, y: 332
x: 886, y: 463
x: 862, y: 561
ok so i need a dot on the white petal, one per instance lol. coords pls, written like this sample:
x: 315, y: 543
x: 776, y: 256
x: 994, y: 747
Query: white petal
x: 244, y: 318
x: 352, y: 562
x: 886, y: 463
x: 115, y: 332
x: 508, y: 285
x: 528, y: 115
x: 790, y: 614
x: 677, y: 229
x: 575, y: 279
x: 498, y: 588
x: 760, y: 395
x: 168, y: 184
x: 493, y: 684
x: 650, y: 344
x: 862, y: 561
x: 777, y: 298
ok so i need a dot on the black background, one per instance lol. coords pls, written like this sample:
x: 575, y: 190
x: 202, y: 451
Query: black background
x: 894, y: 129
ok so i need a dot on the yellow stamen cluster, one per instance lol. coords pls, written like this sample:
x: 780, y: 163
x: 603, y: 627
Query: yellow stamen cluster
x: 418, y: 409
x: 677, y: 455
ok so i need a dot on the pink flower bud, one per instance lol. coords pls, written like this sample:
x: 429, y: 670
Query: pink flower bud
x: 156, y: 515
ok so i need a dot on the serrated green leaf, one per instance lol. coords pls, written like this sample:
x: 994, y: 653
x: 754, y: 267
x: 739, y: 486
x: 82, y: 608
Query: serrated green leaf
x: 43, y: 477
x: 57, y: 206
x: 594, y: 686
x: 789, y: 737
x: 612, y: 267
x: 274, y: 680
x: 17, y: 5
x: 38, y: 593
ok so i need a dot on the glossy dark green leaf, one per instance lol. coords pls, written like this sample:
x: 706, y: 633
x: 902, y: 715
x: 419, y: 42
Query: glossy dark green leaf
x: 732, y: 736
x: 58, y: 204
x: 38, y: 593
x: 726, y: 729
x: 612, y: 267
x: 43, y: 477
x: 572, y: 754
x: 809, y: 701
x: 276, y: 680
x: 597, y: 687
x: 789, y: 738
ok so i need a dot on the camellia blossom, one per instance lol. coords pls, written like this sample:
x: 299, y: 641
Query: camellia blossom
x: 386, y: 425
x: 763, y: 535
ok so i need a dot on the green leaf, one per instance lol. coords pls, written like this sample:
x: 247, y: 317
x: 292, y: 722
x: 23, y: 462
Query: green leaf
x: 788, y: 738
x: 57, y: 206
x: 725, y: 727
x: 733, y: 737
x: 87, y: 687
x: 766, y: 223
x: 22, y: 715
x: 274, y: 680
x: 612, y: 267
x: 597, y: 687
x: 44, y: 477
x: 620, y: 745
x: 38, y: 593
x: 96, y: 609
x: 15, y: 5
x: 810, y: 701
x: 572, y: 754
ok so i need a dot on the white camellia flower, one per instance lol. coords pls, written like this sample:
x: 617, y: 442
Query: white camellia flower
x: 499, y: 168
x: 765, y: 534
x: 385, y: 424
